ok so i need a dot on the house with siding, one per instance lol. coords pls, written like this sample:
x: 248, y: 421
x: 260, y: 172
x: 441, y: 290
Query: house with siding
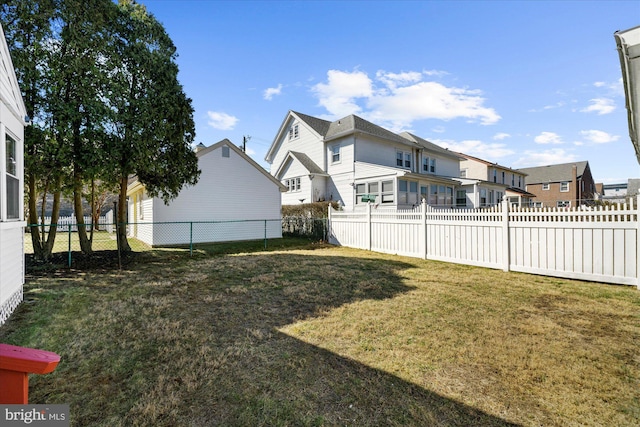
x: 561, y: 185
x: 354, y: 161
x: 484, y: 183
x: 12, y: 122
x: 234, y: 199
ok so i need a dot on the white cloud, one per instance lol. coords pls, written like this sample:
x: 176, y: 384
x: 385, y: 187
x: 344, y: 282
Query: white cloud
x: 500, y: 136
x: 598, y: 136
x: 476, y: 148
x: 600, y: 106
x: 547, y: 157
x: 269, y: 93
x: 548, y: 138
x: 222, y: 121
x: 439, y: 129
x: 338, y: 95
x: 396, y: 100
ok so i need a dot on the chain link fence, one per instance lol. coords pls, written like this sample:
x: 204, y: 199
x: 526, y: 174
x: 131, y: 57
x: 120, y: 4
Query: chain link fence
x: 143, y: 236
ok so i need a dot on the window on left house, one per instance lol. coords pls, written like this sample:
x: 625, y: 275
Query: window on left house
x: 294, y: 132
x: 12, y: 180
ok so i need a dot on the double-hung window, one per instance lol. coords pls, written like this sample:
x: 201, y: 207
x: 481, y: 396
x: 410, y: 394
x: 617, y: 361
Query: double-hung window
x: 335, y: 153
x: 403, y: 159
x: 564, y: 186
x: 432, y: 165
x: 12, y: 180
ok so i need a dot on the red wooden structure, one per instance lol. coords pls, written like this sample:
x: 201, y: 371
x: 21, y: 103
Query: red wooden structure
x: 16, y: 363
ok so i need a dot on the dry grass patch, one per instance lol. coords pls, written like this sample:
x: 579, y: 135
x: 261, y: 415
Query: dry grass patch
x: 331, y: 336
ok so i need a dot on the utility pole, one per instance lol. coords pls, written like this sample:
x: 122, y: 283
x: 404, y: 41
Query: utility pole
x: 245, y: 139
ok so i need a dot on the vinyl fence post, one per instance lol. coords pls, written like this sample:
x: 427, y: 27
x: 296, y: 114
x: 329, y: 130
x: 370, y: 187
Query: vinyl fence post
x: 423, y: 227
x: 505, y: 234
x: 368, y: 226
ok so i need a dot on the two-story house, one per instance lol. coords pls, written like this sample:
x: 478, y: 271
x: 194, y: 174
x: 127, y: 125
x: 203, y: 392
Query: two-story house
x: 483, y: 183
x: 353, y: 161
x: 561, y: 185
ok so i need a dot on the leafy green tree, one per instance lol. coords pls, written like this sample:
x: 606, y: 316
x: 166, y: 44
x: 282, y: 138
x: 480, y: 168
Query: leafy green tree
x: 152, y: 126
x: 28, y: 29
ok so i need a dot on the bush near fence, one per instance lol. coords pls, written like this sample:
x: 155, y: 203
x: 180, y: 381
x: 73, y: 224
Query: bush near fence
x: 307, y: 220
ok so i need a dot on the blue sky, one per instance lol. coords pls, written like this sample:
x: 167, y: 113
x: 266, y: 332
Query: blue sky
x: 517, y: 83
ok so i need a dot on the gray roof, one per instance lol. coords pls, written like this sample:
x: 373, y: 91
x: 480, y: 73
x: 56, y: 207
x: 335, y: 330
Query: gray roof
x: 429, y: 145
x: 306, y: 161
x: 319, y: 125
x: 553, y: 173
x: 353, y: 123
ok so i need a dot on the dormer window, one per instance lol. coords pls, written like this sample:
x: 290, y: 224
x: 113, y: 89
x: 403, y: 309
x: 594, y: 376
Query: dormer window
x: 294, y: 132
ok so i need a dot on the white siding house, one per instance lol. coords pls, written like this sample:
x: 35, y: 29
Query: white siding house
x: 483, y: 183
x: 234, y: 199
x: 351, y: 159
x: 12, y: 123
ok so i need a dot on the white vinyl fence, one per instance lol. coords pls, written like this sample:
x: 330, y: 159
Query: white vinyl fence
x: 105, y: 222
x: 596, y: 244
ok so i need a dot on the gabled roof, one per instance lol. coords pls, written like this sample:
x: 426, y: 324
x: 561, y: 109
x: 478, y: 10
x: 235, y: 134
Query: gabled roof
x: 352, y: 123
x: 488, y: 163
x: 553, y: 173
x: 429, y: 145
x: 9, y: 88
x: 628, y: 44
x: 319, y: 125
x: 304, y: 160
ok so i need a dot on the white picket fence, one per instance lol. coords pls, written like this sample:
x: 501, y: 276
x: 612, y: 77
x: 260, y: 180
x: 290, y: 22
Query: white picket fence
x: 597, y: 244
x: 105, y: 222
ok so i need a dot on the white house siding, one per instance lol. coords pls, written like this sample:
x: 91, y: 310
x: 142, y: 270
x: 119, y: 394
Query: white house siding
x: 445, y: 166
x: 11, y: 267
x: 345, y: 165
x: 12, y: 122
x: 475, y: 170
x: 230, y: 190
x: 296, y: 170
x: 307, y: 142
x: 369, y: 150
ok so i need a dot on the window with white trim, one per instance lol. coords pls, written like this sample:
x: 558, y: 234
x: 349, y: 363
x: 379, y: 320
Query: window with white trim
x: 564, y: 186
x: 12, y: 180
x: 545, y: 186
x: 369, y: 188
x: 294, y: 132
x: 563, y: 204
x: 461, y: 198
x: 387, y: 192
x: 432, y: 165
x: 293, y: 184
x: 463, y: 173
x: 403, y: 159
x: 335, y: 153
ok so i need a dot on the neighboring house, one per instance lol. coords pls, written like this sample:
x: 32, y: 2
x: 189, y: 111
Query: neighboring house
x: 613, y: 193
x: 562, y: 185
x: 232, y: 187
x: 351, y: 160
x: 485, y: 184
x: 12, y: 122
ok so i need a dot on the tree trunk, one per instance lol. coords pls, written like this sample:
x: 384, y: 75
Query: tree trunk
x: 122, y: 216
x: 38, y: 250
x: 85, y: 243
x: 55, y: 215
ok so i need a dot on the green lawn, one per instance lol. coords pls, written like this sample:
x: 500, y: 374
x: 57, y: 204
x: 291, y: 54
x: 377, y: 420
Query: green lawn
x: 312, y: 335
